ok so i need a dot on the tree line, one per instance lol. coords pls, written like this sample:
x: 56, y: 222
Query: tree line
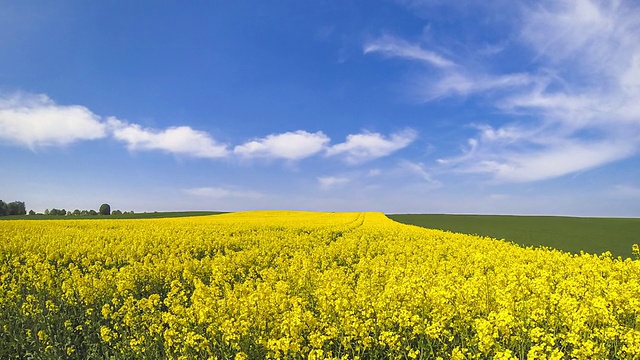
x: 12, y: 208
x: 105, y: 209
x: 19, y: 208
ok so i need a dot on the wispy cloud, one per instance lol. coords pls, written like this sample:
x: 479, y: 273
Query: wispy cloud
x: 363, y: 147
x: 417, y: 168
x: 575, y: 107
x: 181, y: 140
x: 459, y: 83
x: 223, y: 193
x: 551, y: 162
x: 559, y: 30
x: 290, y: 146
x: 328, y: 182
x: 451, y: 78
x: 34, y: 121
x: 626, y: 191
x: 395, y: 47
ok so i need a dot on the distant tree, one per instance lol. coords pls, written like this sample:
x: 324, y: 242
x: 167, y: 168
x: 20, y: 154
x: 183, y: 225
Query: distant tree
x: 76, y: 212
x: 105, y: 209
x: 84, y: 212
x: 46, y: 211
x: 116, y: 212
x: 31, y: 212
x: 16, y: 208
x: 93, y: 212
x: 22, y: 208
x: 3, y: 208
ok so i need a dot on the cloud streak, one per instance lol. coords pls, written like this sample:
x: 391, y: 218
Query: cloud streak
x: 223, y: 193
x: 574, y: 107
x: 418, y: 169
x: 329, y: 182
x: 394, y: 47
x: 626, y: 191
x: 451, y: 78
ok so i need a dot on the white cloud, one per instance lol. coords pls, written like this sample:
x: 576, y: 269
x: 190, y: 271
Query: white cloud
x: 395, y: 47
x: 329, y: 182
x: 36, y: 121
x: 516, y: 154
x: 575, y: 107
x: 223, y: 193
x: 451, y: 79
x: 553, y: 161
x: 290, y: 146
x: 418, y: 169
x: 559, y: 30
x: 494, y: 197
x: 367, y: 146
x: 462, y: 84
x: 595, y: 50
x: 626, y: 191
x: 181, y: 140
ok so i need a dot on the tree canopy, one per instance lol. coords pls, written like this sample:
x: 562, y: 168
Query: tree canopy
x: 105, y: 209
x: 12, y: 208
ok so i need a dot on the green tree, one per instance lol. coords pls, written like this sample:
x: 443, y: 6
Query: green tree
x: 116, y: 212
x: 105, y: 209
x: 31, y: 212
x: 17, y: 208
x: 3, y: 208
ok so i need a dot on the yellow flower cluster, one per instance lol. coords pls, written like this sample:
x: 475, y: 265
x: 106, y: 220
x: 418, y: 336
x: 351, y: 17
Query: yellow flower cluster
x: 302, y: 285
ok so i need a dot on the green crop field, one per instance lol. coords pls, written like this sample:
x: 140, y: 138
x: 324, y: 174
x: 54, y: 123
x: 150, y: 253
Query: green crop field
x: 573, y: 234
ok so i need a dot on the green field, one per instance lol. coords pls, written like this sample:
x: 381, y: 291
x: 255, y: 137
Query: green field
x: 142, y: 215
x: 573, y: 234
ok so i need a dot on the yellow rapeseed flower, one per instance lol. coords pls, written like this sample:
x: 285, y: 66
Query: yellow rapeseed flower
x: 285, y: 284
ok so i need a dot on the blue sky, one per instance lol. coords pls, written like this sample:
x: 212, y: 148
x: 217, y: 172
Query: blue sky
x: 502, y: 107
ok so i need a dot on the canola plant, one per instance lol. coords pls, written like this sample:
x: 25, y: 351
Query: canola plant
x: 299, y: 285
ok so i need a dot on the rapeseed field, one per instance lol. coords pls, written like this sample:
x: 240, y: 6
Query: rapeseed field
x: 299, y: 285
